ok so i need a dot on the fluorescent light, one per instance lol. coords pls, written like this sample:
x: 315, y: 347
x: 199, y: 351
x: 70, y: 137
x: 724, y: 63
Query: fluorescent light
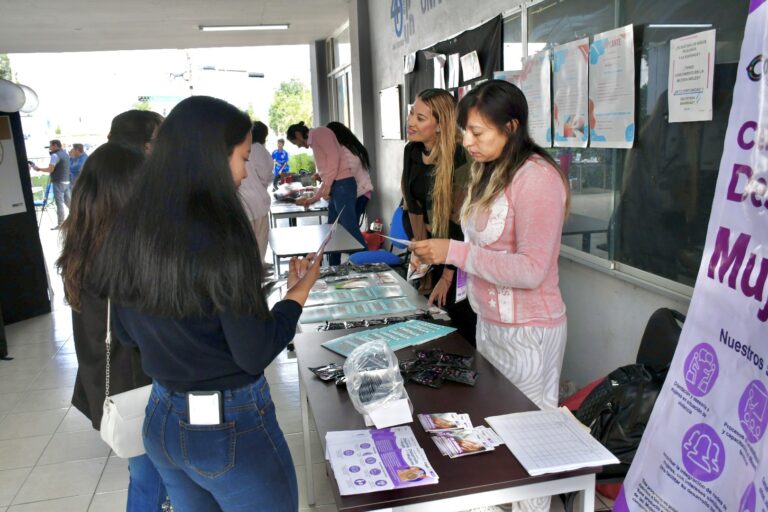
x: 680, y: 25
x: 231, y: 28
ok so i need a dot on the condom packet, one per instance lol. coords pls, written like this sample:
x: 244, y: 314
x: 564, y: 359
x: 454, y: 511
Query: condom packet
x: 328, y: 372
x: 461, y: 375
x: 430, y: 356
x: 431, y: 377
x: 456, y: 361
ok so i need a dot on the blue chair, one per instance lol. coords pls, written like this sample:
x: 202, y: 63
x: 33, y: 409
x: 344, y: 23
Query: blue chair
x: 396, y: 230
x: 41, y: 205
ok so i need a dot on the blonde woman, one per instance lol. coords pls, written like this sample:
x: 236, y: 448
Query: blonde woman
x: 512, y: 220
x: 434, y: 184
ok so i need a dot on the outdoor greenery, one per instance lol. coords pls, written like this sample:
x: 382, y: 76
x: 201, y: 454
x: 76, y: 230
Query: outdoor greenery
x: 5, y: 67
x: 142, y: 105
x: 301, y: 161
x: 292, y: 103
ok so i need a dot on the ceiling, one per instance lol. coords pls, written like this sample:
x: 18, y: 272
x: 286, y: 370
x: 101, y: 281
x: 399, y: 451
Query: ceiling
x: 31, y: 26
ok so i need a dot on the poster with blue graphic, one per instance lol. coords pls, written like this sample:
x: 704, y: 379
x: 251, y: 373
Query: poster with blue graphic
x: 569, y: 85
x: 705, y: 446
x: 535, y: 83
x: 611, y: 110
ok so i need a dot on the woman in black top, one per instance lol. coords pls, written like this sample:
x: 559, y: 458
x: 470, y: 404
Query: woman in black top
x: 182, y: 269
x: 434, y: 183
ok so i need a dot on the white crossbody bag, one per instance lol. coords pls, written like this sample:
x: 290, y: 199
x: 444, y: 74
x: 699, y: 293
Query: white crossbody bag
x: 123, y: 417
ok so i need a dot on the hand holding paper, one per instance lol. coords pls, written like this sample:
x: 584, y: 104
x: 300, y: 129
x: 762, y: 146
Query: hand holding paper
x: 433, y: 251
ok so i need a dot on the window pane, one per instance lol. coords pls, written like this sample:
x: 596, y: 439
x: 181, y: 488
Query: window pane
x: 342, y: 50
x: 512, y: 32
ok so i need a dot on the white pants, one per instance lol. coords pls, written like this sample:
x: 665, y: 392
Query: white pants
x: 260, y: 227
x: 531, y: 358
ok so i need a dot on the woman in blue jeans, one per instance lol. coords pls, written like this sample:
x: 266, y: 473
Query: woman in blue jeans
x: 183, y: 271
x: 338, y: 183
x: 104, y: 185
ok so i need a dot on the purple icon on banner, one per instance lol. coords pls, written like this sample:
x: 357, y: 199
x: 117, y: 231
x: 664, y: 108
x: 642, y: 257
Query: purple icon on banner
x: 370, y: 460
x: 703, y: 452
x: 381, y: 483
x: 748, y: 500
x: 359, y: 481
x: 701, y: 369
x: 365, y: 445
x: 375, y: 471
x: 354, y: 469
x: 753, y: 410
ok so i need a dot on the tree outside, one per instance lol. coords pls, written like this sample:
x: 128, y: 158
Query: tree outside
x: 292, y: 103
x: 5, y: 67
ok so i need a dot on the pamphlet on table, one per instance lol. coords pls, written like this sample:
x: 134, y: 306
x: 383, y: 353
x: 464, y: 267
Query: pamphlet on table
x: 397, y: 336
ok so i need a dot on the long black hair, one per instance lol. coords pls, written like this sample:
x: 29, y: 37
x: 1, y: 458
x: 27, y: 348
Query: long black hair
x: 298, y: 127
x: 183, y: 245
x: 347, y: 139
x: 108, y: 177
x: 503, y: 105
x: 134, y: 127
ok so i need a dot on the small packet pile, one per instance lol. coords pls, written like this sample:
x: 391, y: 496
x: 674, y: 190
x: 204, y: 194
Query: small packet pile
x: 454, y: 435
x: 330, y: 372
x: 432, y: 367
x: 444, y: 421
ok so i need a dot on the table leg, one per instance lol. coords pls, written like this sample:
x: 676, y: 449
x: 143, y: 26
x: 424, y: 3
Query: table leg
x: 585, y: 500
x: 586, y: 242
x: 307, y: 447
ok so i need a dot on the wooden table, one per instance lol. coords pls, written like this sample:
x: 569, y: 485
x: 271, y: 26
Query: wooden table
x: 577, y: 224
x: 467, y: 482
x: 291, y: 211
x: 301, y: 240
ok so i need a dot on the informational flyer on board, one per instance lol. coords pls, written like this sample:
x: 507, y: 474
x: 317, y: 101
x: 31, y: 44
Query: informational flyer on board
x: 691, y: 76
x: 705, y: 446
x: 535, y: 84
x: 569, y: 85
x: 611, y: 110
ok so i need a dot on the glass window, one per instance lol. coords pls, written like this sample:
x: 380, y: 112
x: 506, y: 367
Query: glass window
x: 342, y: 50
x: 512, y: 32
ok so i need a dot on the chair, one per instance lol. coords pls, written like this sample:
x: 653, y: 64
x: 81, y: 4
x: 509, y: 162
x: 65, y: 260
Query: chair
x: 396, y: 230
x: 42, y: 204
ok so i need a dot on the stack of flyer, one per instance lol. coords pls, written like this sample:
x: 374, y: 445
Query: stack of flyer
x: 455, y: 437
x: 376, y: 460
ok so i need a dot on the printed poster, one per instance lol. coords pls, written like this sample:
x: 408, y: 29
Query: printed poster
x: 535, y: 84
x: 453, y: 70
x: 705, y: 446
x: 569, y: 109
x: 611, y: 109
x: 470, y: 66
x: 11, y: 194
x: 691, y: 75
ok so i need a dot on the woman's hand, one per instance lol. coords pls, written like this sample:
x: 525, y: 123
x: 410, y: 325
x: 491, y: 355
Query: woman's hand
x: 439, y: 295
x: 302, y: 274
x: 304, y: 201
x: 433, y: 251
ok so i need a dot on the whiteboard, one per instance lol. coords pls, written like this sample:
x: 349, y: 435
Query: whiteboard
x: 391, y: 123
x: 11, y: 194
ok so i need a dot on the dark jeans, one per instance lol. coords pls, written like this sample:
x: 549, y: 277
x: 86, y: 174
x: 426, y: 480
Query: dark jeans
x: 343, y: 199
x: 242, y: 464
x: 146, y: 491
x: 360, y: 204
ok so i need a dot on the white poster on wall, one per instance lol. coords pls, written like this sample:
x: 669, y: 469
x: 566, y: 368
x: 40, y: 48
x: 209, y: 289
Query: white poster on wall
x: 11, y: 194
x: 535, y: 83
x: 611, y: 109
x: 705, y: 447
x: 691, y: 75
x: 470, y: 66
x: 569, y: 83
x: 453, y: 70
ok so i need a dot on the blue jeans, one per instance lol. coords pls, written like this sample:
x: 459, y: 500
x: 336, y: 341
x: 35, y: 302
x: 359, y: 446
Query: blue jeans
x: 146, y: 492
x: 61, y: 198
x: 360, y: 204
x: 343, y: 199
x: 242, y: 464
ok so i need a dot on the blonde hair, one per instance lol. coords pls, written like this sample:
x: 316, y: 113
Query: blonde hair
x: 442, y: 104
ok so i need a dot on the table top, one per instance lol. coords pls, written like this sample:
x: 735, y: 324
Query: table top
x: 577, y: 224
x: 286, y: 207
x: 301, y: 240
x: 492, y: 395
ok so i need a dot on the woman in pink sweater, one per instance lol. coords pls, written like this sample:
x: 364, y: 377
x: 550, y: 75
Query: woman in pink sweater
x: 512, y: 221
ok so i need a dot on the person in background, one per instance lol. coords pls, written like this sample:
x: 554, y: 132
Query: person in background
x: 338, y: 184
x: 182, y: 270
x: 135, y: 128
x: 353, y: 151
x: 77, y: 157
x: 253, y: 189
x: 280, y: 157
x: 434, y: 184
x: 106, y: 182
x: 58, y: 168
x: 512, y: 219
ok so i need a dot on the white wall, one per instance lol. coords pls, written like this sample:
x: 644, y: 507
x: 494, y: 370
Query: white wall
x: 606, y: 315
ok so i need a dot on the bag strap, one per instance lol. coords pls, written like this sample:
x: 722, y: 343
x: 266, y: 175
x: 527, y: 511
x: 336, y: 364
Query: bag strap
x: 108, y: 342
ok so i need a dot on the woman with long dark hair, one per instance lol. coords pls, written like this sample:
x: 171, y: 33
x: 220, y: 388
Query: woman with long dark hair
x: 356, y: 156
x: 106, y: 182
x: 182, y: 269
x: 512, y: 220
x: 434, y: 184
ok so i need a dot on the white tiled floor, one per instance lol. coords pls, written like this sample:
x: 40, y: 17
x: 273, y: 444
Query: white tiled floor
x: 51, y: 460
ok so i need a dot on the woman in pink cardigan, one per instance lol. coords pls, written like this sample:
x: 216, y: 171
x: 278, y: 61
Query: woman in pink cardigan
x: 512, y: 221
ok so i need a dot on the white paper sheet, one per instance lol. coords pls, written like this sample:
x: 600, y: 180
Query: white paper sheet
x: 535, y: 81
x: 569, y: 83
x: 691, y: 75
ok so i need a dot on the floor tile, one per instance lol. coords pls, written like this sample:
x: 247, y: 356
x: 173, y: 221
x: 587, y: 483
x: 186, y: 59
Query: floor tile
x: 74, y: 421
x: 11, y: 481
x: 59, y: 378
x: 115, y: 476
x: 29, y: 424
x: 72, y: 504
x: 72, y: 446
x: 109, y: 502
x: 15, y: 382
x: 42, y: 350
x: 323, y: 491
x: 61, y: 481
x: 289, y: 419
x: 296, y: 446
x: 19, y: 453
x: 7, y: 401
x: 43, y: 400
